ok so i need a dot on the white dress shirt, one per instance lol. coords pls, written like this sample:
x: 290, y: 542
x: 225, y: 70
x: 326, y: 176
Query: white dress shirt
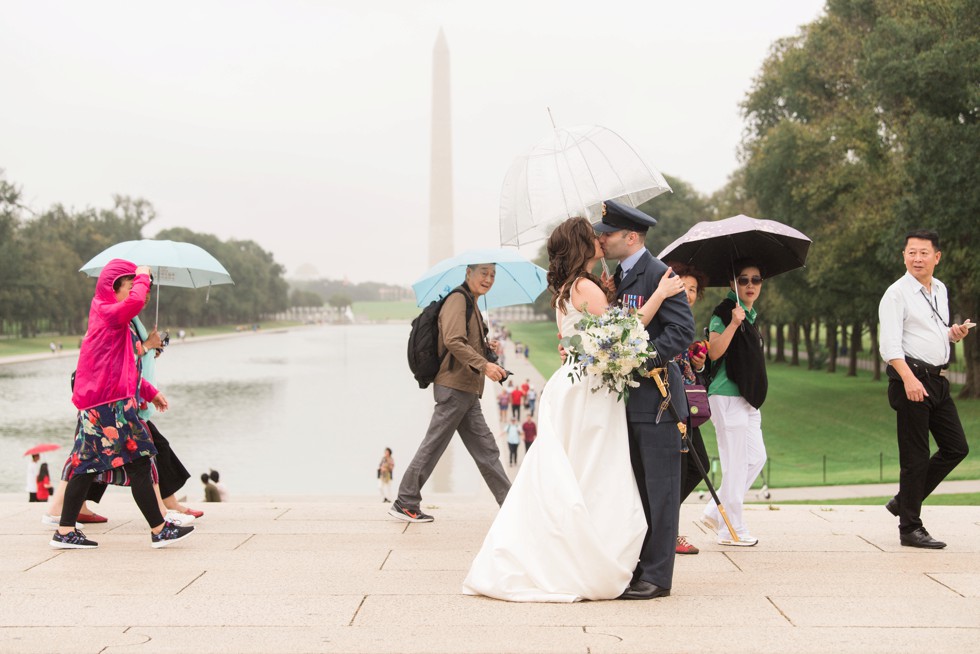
x: 915, y: 322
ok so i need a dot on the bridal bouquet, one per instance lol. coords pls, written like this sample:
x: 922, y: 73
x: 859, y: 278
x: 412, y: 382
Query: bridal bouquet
x: 611, y: 347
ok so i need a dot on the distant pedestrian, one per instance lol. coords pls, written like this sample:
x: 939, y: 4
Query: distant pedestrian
x: 216, y: 480
x: 916, y: 331
x: 503, y: 402
x: 386, y: 471
x: 530, y: 400
x: 211, y: 493
x: 530, y: 432
x: 516, y: 400
x: 32, y: 467
x: 513, y: 433
x: 44, y: 489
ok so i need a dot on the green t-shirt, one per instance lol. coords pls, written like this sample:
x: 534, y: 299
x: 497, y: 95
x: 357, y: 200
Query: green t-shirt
x: 721, y: 384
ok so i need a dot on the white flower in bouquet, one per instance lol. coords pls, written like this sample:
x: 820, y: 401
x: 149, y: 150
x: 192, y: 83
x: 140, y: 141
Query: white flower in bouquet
x: 609, y: 348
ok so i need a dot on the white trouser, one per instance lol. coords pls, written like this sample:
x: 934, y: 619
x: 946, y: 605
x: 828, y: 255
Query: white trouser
x: 738, y: 426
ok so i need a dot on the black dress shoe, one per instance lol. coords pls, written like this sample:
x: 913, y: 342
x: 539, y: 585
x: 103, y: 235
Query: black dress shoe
x: 640, y: 590
x: 892, y: 506
x: 921, y: 538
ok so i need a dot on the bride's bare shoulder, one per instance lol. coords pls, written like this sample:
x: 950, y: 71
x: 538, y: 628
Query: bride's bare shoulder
x: 588, y: 296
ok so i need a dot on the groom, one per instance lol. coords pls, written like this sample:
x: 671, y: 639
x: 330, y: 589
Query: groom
x: 654, y: 445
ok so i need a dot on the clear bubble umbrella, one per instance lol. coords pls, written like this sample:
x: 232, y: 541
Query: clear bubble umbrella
x: 571, y: 173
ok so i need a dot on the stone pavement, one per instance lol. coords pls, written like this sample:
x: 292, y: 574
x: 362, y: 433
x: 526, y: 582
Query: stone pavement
x: 291, y: 574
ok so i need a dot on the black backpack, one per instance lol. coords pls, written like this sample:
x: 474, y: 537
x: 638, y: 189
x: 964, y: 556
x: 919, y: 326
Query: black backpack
x: 424, y: 359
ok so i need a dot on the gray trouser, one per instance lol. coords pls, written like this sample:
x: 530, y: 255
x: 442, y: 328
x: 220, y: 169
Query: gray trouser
x: 455, y: 411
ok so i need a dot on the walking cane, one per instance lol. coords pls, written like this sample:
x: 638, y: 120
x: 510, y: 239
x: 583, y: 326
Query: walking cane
x: 682, y: 426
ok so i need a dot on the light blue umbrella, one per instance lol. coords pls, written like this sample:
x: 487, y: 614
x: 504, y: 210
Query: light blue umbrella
x: 172, y: 263
x: 518, y: 281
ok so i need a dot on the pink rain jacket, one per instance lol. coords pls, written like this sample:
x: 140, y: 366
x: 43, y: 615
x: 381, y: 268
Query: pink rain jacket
x: 106, y: 364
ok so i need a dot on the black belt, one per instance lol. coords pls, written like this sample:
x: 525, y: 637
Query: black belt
x: 921, y: 366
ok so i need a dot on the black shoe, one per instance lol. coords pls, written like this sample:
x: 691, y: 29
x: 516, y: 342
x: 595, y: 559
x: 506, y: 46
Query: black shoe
x: 73, y: 540
x: 169, y: 535
x: 892, y: 506
x: 640, y: 590
x: 408, y: 515
x: 921, y: 538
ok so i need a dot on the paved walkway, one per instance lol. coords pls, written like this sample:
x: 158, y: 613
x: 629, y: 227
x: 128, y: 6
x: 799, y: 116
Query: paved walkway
x: 339, y: 575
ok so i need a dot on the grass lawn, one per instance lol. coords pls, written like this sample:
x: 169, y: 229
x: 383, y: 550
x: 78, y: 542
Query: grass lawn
x: 17, y: 346
x: 951, y: 499
x: 812, y: 421
x: 390, y: 310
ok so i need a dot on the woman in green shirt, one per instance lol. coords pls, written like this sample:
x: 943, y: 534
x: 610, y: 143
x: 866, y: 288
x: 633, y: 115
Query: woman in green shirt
x: 737, y: 390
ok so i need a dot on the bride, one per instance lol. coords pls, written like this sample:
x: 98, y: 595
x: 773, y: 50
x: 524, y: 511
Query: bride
x: 572, y: 525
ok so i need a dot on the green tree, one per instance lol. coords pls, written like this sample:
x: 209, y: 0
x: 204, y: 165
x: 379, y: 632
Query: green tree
x: 856, y: 127
x: 300, y: 298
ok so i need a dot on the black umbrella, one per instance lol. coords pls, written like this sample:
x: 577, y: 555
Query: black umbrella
x: 713, y: 246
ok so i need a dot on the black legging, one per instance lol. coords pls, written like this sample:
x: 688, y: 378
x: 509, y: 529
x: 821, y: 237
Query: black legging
x: 141, y: 484
x: 513, y: 452
x: 690, y: 476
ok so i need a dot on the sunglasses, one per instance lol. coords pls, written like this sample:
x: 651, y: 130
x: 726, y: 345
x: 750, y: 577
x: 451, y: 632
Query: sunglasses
x: 755, y: 280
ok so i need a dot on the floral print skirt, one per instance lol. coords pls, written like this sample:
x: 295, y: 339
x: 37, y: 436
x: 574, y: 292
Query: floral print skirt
x: 107, y: 437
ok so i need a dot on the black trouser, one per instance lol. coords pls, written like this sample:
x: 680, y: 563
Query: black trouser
x: 172, y: 472
x: 655, y: 455
x: 32, y: 497
x: 690, y: 475
x: 515, y: 410
x: 141, y: 485
x: 920, y: 473
x: 513, y: 452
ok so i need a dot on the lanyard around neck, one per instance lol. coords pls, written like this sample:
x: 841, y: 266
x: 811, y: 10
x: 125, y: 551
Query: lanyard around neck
x: 933, y: 307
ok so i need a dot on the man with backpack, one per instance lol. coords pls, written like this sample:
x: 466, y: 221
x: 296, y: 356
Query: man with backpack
x: 463, y: 358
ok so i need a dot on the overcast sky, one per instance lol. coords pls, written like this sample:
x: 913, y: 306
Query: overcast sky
x: 304, y: 126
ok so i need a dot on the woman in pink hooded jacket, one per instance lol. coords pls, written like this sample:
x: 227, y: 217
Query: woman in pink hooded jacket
x: 108, y: 391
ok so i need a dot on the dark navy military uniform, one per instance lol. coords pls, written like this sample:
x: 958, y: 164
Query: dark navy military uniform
x: 655, y: 447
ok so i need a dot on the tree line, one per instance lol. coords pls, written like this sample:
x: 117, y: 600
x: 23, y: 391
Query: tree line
x: 41, y: 290
x: 859, y: 128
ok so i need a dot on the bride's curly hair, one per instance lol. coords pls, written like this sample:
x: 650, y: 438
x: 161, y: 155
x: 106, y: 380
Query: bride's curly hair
x: 570, y: 248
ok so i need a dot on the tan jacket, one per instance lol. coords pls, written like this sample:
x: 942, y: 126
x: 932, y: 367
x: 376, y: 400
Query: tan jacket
x: 463, y: 369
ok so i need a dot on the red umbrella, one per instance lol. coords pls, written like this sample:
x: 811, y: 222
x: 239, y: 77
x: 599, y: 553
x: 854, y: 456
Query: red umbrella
x: 43, y: 447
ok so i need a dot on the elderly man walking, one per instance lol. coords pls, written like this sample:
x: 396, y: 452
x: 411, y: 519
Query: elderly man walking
x: 915, y: 337
x: 457, y: 390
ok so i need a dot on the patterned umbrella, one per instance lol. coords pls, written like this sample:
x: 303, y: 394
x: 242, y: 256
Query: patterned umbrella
x: 713, y: 246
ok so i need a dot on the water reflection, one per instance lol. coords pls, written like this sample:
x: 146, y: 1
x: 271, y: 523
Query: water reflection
x: 307, y: 411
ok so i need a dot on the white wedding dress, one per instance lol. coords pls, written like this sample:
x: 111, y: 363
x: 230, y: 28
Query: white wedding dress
x: 572, y: 525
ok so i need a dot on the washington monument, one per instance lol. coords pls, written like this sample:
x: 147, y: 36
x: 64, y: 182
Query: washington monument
x: 441, y: 168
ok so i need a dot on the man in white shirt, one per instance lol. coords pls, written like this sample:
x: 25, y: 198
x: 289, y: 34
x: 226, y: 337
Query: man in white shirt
x: 915, y: 337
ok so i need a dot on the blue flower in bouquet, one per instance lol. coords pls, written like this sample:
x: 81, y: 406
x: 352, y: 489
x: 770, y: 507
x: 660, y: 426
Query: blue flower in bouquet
x: 608, y: 350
